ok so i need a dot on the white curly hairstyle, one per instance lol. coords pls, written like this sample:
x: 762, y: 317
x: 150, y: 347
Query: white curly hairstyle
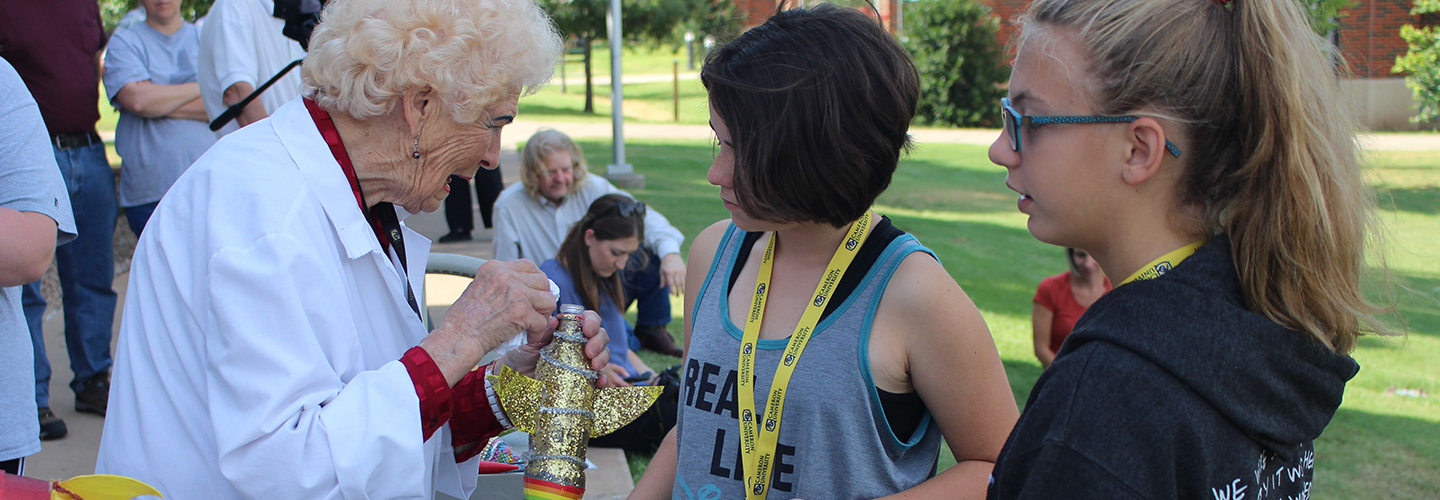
x: 365, y: 53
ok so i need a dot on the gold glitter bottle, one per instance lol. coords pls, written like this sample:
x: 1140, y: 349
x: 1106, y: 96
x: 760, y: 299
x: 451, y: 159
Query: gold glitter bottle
x: 562, y: 409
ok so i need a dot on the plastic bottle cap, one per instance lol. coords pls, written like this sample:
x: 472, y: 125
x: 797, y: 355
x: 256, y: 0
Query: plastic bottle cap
x: 554, y: 290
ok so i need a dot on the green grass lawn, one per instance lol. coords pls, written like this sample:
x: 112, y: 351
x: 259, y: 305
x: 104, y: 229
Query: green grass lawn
x: 644, y: 102
x: 1379, y: 446
x: 634, y: 60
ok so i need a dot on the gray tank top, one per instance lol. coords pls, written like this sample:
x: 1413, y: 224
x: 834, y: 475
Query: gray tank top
x: 834, y: 439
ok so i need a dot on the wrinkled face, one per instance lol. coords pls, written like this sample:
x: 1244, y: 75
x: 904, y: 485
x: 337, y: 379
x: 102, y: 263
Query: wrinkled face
x: 161, y: 10
x: 557, y: 173
x: 609, y: 256
x: 448, y: 148
x: 722, y: 174
x: 1064, y: 171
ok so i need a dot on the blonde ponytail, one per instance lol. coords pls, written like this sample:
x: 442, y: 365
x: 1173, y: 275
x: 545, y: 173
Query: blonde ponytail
x: 1271, y: 157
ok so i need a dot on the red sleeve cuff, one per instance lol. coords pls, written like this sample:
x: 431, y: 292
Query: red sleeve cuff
x: 435, y: 395
x: 474, y: 422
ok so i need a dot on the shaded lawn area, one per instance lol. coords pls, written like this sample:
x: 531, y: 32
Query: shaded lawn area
x: 1380, y: 445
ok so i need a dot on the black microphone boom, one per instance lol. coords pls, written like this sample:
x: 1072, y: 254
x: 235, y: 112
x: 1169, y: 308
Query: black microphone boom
x: 300, y: 18
x: 234, y: 111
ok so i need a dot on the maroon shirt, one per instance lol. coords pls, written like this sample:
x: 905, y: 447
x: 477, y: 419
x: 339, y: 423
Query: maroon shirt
x: 52, y: 45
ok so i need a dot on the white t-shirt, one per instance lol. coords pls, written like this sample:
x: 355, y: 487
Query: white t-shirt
x: 241, y: 42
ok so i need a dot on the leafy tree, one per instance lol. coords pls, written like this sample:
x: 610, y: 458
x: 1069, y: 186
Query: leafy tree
x: 719, y: 20
x: 961, y: 64
x: 1325, y: 14
x: 653, y: 21
x: 1423, y: 62
x: 584, y: 22
x: 112, y: 10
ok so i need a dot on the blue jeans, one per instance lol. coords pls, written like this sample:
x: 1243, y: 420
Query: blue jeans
x: 87, y: 270
x: 642, y: 285
x: 138, y: 215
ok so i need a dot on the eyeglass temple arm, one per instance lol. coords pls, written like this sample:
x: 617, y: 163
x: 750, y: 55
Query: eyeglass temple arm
x: 1035, y: 121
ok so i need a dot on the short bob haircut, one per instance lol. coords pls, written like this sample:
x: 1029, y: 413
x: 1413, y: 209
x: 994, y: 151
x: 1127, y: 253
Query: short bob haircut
x: 366, y: 53
x: 539, y: 147
x: 818, y: 104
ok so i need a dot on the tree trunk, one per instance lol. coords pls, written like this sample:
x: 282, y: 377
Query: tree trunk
x: 589, y: 89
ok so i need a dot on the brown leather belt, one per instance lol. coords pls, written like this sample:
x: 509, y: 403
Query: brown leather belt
x: 72, y: 141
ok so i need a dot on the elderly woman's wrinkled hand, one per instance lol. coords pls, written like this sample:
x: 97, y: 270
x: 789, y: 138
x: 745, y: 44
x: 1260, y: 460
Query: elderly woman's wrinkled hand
x: 524, y: 358
x: 504, y: 298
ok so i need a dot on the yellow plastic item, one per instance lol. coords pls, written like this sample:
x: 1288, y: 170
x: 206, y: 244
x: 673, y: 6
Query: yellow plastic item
x: 101, y: 487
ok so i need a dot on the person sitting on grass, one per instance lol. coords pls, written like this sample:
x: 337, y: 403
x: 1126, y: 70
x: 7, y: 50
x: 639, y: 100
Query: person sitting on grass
x: 555, y: 189
x: 587, y: 269
x: 1061, y: 299
x: 829, y: 352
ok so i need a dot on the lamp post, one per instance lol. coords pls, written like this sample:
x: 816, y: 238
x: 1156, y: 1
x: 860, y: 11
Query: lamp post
x: 690, y: 49
x: 618, y: 172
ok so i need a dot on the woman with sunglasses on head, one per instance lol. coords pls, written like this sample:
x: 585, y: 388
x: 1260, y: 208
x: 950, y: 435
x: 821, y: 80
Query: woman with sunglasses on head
x: 1199, y: 150
x: 1061, y: 299
x: 828, y: 351
x: 587, y: 269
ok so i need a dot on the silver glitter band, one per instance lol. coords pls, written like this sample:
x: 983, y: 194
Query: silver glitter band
x: 575, y: 337
x: 567, y: 411
x: 590, y: 374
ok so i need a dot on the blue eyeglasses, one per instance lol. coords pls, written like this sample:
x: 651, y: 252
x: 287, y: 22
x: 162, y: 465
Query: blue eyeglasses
x: 1015, y: 121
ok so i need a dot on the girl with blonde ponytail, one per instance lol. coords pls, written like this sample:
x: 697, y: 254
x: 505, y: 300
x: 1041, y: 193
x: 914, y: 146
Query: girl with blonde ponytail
x: 1198, y: 150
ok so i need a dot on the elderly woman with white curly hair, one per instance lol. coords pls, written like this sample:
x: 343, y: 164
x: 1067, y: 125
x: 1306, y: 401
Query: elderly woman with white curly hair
x: 272, y: 344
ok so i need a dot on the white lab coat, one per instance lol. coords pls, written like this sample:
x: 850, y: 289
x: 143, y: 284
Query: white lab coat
x: 263, y: 325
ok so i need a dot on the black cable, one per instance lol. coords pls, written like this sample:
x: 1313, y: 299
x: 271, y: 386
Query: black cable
x: 234, y: 111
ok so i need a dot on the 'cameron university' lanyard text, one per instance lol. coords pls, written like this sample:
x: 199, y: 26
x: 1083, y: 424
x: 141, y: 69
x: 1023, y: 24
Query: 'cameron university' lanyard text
x: 757, y: 446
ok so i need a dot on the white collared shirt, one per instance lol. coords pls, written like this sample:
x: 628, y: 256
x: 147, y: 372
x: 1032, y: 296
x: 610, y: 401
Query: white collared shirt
x: 533, y: 227
x: 263, y: 325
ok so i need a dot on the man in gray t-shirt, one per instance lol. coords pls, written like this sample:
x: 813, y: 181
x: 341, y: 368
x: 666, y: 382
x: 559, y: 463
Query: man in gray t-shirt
x: 34, y: 217
x: 150, y: 75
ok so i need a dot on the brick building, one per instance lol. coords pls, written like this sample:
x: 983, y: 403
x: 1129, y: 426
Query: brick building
x: 756, y: 11
x: 1368, y: 37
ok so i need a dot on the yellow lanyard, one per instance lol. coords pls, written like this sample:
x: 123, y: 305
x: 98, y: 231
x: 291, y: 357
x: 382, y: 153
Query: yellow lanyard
x: 757, y: 446
x: 1164, y: 264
